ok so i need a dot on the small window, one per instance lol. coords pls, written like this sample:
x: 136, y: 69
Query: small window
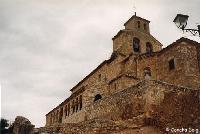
x: 77, y: 104
x: 147, y: 73
x: 60, y: 115
x: 73, y: 106
x: 145, y: 27
x: 171, y: 64
x: 99, y: 77
x: 136, y: 45
x: 149, y: 47
x: 51, y: 119
x: 138, y: 24
x: 57, y: 116
x: 97, y: 97
x: 115, y: 86
x: 66, y: 110
x: 80, y: 102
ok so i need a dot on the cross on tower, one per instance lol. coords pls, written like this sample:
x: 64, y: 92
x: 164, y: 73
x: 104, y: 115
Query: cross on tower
x: 134, y: 8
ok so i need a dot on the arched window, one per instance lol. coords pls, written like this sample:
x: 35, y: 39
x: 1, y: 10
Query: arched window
x: 149, y: 47
x: 80, y: 102
x: 145, y: 27
x: 66, y: 110
x: 171, y: 64
x: 77, y: 104
x: 57, y: 116
x: 60, y: 115
x: 52, y: 118
x: 73, y: 106
x: 136, y: 45
x: 147, y: 73
x: 97, y: 97
x: 138, y: 24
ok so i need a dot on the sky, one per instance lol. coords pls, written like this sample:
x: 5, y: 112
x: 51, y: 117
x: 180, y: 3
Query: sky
x: 48, y: 46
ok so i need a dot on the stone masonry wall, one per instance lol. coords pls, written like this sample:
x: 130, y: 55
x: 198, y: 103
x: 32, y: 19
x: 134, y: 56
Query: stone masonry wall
x: 97, y: 83
x: 99, y: 126
x: 113, y: 107
x: 77, y: 117
x: 186, y: 73
x: 122, y: 83
x: 124, y: 42
x: 151, y: 101
x: 126, y: 68
x: 147, y: 61
x: 130, y: 66
x: 186, y: 65
x: 133, y: 25
x: 139, y: 109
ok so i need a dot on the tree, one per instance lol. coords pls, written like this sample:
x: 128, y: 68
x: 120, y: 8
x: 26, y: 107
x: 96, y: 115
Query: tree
x: 6, y: 128
x: 4, y: 125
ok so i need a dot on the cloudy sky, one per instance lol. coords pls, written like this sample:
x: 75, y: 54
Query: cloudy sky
x: 47, y: 46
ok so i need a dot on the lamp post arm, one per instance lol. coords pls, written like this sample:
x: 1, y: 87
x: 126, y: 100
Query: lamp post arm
x: 193, y: 31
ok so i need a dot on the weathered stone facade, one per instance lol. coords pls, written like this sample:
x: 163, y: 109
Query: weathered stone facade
x: 148, y: 107
x: 116, y: 89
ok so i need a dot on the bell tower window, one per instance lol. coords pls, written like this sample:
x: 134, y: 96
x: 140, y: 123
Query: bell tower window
x: 138, y: 24
x: 149, y: 47
x: 136, y: 45
x: 145, y: 27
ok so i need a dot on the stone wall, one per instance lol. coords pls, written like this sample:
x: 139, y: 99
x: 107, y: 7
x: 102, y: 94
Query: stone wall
x: 99, y: 126
x: 127, y: 67
x: 147, y: 61
x: 123, y: 43
x: 151, y: 99
x: 75, y: 118
x: 113, y: 107
x: 186, y: 65
x: 121, y: 72
x: 132, y: 24
x: 154, y: 105
x: 122, y: 82
x: 95, y: 83
x: 130, y: 65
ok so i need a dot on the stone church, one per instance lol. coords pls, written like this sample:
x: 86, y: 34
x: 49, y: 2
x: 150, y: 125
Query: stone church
x: 138, y: 77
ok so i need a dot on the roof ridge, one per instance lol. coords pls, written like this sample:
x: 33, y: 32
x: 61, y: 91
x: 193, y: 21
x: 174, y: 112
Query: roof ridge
x: 134, y: 16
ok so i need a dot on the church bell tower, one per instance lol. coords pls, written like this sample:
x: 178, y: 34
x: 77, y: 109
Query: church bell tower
x: 135, y: 38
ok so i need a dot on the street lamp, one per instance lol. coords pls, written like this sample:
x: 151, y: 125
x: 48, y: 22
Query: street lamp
x: 181, y: 22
